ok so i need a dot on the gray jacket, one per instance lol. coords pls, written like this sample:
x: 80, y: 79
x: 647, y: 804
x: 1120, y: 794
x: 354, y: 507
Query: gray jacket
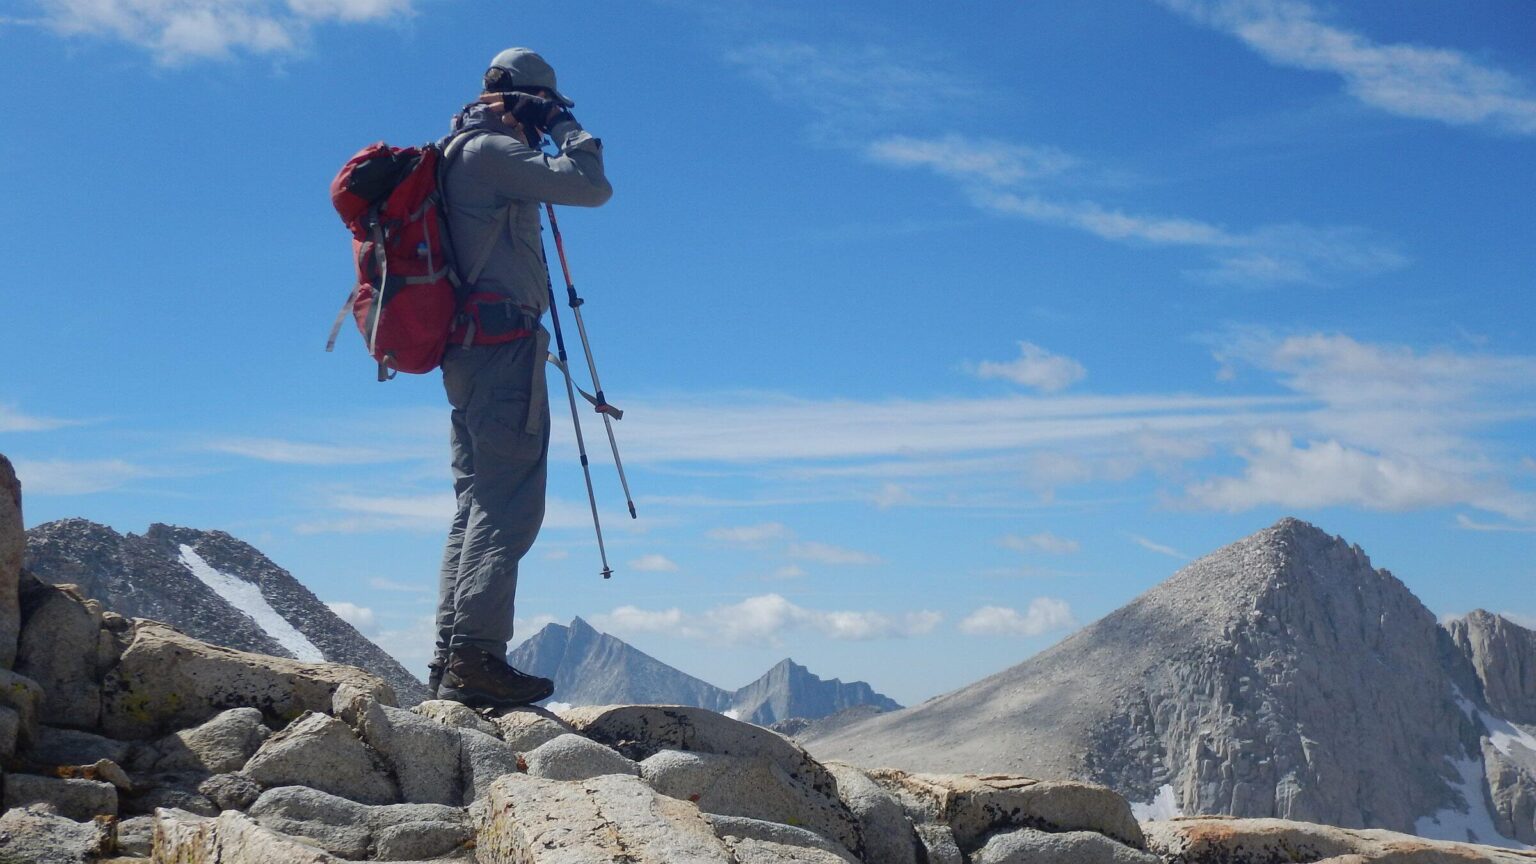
x: 497, y: 173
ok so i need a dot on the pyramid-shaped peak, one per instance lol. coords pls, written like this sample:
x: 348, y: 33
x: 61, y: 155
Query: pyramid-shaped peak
x: 580, y: 625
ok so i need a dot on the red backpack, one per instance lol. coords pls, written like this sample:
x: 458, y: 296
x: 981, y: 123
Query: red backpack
x: 407, y: 290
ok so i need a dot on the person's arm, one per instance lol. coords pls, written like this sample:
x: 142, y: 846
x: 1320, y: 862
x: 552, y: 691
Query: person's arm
x: 574, y: 177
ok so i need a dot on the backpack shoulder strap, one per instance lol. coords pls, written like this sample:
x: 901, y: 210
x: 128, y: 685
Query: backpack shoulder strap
x: 455, y: 146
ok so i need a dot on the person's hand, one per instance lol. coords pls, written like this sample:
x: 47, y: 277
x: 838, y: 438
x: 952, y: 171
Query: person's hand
x: 525, y: 108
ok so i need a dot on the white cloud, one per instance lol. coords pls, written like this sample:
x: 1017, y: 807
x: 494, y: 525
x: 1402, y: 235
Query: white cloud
x: 178, y: 31
x: 361, y: 617
x: 1408, y: 80
x: 653, y: 563
x: 766, y: 619
x: 826, y: 553
x: 76, y: 477
x: 413, y: 643
x: 534, y: 624
x: 1159, y: 548
x: 1328, y: 473
x: 749, y: 535
x: 1036, y: 368
x: 12, y: 419
x: 788, y: 571
x: 1044, y: 615
x: 1041, y: 542
x: 303, y: 453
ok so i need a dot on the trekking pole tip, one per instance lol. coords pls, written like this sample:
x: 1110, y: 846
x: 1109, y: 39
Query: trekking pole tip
x: 607, y: 572
x: 632, y: 511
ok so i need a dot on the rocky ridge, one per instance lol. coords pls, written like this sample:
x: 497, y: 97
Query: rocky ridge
x: 198, y: 754
x: 594, y: 668
x: 156, y: 576
x: 1282, y: 676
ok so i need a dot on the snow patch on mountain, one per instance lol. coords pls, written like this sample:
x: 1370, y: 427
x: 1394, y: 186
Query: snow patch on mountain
x: 1163, y: 806
x: 248, y: 599
x: 1473, y: 824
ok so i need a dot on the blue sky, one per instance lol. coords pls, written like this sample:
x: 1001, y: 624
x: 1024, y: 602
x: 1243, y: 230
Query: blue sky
x: 941, y: 329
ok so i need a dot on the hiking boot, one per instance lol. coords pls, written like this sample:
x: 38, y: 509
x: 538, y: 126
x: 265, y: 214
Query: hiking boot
x: 435, y: 676
x: 482, y: 680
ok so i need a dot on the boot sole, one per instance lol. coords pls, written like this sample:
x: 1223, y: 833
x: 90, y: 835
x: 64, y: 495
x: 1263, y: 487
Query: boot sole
x: 481, y: 699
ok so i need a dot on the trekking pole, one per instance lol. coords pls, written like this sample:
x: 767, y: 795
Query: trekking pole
x: 570, y: 395
x: 603, y: 408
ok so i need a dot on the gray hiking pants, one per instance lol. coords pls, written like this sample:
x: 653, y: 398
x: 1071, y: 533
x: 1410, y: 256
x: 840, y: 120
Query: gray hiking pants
x: 500, y: 445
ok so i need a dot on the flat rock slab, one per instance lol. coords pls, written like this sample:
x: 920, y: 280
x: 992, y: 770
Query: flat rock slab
x: 395, y: 832
x: 1219, y: 840
x: 167, y: 681
x: 72, y: 747
x: 222, y: 744
x: 1028, y: 846
x: 455, y: 714
x: 753, y: 841
x: 888, y: 833
x: 33, y: 836
x: 229, y: 838
x: 598, y: 821
x: 79, y: 799
x: 641, y: 731
x: 976, y: 805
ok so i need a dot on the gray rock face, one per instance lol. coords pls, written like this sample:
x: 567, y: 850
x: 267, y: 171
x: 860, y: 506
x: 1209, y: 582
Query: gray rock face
x: 422, y: 754
x: 939, y: 844
x: 13, y: 548
x: 80, y: 800
x: 135, y: 836
x: 178, y: 791
x: 640, y: 732
x: 1251, y: 682
x: 1027, y: 846
x: 573, y: 757
x: 22, y: 695
x: 598, y: 821
x: 35, y: 836
x: 482, y: 759
x: 397, y: 832
x: 222, y: 744
x: 73, y: 747
x: 1503, y: 654
x: 60, y: 637
x: 322, y: 753
x: 144, y: 577
x: 889, y: 836
x: 230, y: 791
x: 1511, y: 792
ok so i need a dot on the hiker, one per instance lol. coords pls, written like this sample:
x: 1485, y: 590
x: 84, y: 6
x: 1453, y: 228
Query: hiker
x: 493, y: 370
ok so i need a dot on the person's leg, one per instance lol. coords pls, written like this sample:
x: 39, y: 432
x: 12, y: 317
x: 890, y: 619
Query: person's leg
x: 507, y: 418
x: 463, y: 468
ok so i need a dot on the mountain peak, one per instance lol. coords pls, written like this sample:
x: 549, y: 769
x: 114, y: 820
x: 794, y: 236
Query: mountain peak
x: 580, y: 625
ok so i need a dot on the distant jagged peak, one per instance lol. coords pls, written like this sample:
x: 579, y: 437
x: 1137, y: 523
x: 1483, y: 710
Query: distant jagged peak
x: 580, y: 625
x: 1485, y: 620
x: 75, y: 526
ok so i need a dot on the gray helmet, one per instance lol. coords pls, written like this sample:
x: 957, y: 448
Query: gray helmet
x: 520, y: 67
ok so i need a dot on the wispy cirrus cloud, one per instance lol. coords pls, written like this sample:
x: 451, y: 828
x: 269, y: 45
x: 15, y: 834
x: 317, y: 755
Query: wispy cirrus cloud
x: 827, y: 553
x: 767, y: 619
x: 182, y: 31
x: 1044, y: 541
x: 288, y: 452
x: 1416, y: 81
x: 77, y: 476
x: 1159, y: 548
x: 867, y: 88
x: 355, y: 513
x: 13, y: 419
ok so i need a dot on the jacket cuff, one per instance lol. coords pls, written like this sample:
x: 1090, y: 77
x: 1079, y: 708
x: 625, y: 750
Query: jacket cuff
x: 568, y: 134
